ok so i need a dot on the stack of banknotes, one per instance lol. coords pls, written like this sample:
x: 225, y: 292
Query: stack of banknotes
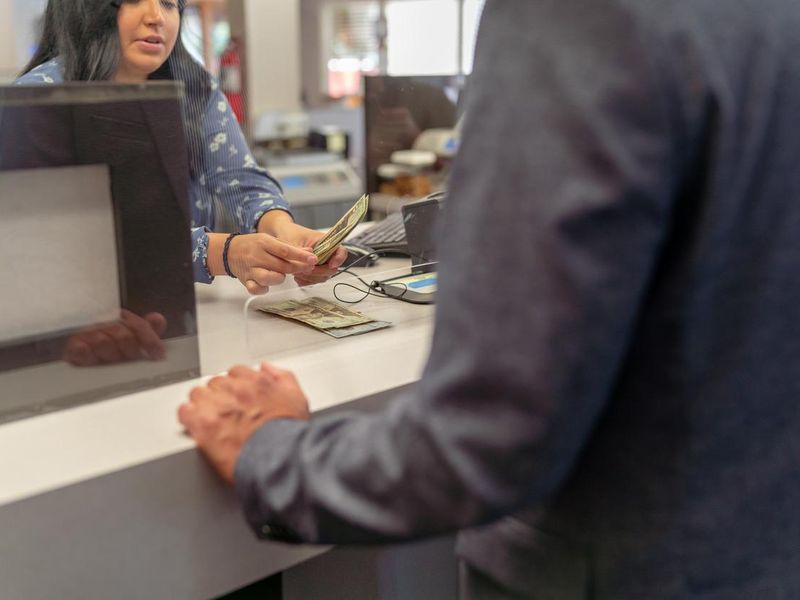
x: 328, y: 317
x: 327, y: 245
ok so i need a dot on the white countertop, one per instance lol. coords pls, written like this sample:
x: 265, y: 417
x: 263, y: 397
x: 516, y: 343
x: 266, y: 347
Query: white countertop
x: 128, y: 460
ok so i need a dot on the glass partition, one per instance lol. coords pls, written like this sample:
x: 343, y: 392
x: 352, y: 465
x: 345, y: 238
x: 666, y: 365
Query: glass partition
x: 97, y: 290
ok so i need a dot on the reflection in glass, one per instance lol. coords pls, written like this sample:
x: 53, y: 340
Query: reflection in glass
x: 129, y: 338
x: 98, y: 294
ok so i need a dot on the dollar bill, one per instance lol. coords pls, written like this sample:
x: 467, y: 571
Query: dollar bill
x: 318, y: 313
x: 335, y: 309
x: 342, y: 332
x: 328, y: 244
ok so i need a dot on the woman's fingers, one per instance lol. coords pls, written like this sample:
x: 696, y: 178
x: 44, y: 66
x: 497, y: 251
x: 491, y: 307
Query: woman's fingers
x: 313, y: 278
x: 285, y: 258
x: 254, y: 288
x: 265, y: 277
x: 337, y: 260
x: 302, y: 257
x: 261, y: 261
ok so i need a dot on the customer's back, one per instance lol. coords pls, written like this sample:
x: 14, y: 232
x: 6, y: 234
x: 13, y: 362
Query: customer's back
x: 689, y: 485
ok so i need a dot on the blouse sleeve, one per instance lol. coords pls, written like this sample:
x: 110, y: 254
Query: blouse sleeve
x: 200, y: 255
x: 238, y: 185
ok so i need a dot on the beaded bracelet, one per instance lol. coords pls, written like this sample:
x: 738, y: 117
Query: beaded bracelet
x: 225, y: 254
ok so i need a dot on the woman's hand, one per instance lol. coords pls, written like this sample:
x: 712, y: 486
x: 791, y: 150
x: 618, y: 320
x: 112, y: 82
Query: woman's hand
x: 281, y: 225
x: 259, y: 260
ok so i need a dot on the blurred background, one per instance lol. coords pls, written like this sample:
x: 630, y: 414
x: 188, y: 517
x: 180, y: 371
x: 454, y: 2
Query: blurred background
x: 336, y: 97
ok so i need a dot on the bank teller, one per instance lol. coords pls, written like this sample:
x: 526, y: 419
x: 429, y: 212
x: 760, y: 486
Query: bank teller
x: 132, y: 41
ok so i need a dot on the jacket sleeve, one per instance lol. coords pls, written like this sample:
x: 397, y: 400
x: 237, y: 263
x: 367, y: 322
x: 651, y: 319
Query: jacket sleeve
x: 559, y: 204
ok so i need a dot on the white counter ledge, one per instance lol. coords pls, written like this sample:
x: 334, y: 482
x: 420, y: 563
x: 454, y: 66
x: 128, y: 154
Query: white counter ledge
x: 111, y: 500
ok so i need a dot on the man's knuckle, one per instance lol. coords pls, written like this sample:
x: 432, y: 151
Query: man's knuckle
x: 241, y: 388
x: 218, y: 380
x: 208, y: 420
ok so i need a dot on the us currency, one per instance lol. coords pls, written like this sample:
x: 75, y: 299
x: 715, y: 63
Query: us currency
x: 327, y: 245
x: 343, y: 332
x: 332, y: 307
x: 318, y: 313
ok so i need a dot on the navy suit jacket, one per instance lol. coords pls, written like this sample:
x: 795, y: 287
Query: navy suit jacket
x: 617, y: 346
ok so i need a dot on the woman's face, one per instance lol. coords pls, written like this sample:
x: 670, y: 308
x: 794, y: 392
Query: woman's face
x: 148, y: 30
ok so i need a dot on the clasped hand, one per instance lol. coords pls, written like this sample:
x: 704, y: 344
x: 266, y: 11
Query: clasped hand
x: 223, y: 415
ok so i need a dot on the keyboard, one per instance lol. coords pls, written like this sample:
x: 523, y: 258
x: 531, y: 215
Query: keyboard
x: 386, y: 234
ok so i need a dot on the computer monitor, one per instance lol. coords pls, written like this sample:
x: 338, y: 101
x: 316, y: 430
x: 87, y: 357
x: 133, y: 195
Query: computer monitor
x: 94, y: 198
x: 421, y: 219
x: 398, y: 109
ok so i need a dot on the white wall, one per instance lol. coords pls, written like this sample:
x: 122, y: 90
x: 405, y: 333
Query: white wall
x: 18, y: 31
x: 8, y: 47
x: 273, y: 54
x: 27, y: 14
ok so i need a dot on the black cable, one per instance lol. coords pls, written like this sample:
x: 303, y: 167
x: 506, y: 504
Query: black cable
x: 375, y: 255
x: 373, y: 288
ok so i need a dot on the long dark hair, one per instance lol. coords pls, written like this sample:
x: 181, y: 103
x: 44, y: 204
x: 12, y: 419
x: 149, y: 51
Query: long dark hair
x: 83, y: 35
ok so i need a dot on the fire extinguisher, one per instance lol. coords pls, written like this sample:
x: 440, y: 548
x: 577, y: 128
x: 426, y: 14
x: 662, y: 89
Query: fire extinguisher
x: 232, y: 80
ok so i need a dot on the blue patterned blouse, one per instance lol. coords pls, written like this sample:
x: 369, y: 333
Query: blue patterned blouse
x: 232, y: 178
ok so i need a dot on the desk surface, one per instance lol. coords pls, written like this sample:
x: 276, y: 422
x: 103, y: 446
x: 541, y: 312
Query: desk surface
x: 111, y: 499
